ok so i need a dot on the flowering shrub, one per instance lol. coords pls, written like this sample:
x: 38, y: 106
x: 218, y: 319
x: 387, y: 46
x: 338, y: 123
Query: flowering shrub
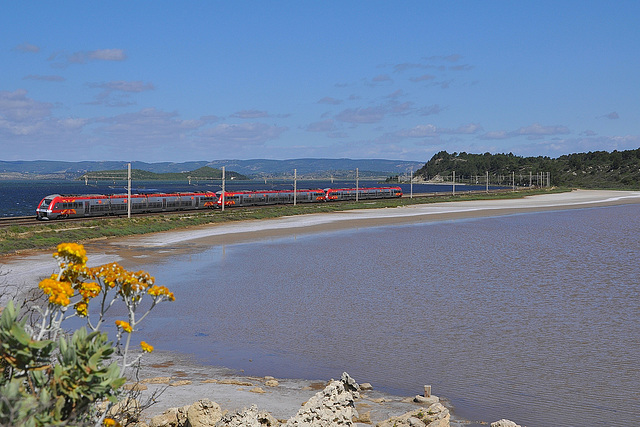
x: 52, y: 380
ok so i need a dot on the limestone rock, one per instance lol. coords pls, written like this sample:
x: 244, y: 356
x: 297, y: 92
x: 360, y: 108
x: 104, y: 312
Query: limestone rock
x: 257, y: 390
x: 333, y: 406
x: 426, y: 401
x: 135, y: 387
x: 366, y: 386
x: 435, y: 416
x: 504, y: 423
x: 172, y: 417
x: 272, y: 383
x: 157, y: 380
x: 204, y: 413
x: 249, y: 418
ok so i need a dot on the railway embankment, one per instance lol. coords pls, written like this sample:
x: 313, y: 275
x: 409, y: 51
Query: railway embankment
x: 22, y: 234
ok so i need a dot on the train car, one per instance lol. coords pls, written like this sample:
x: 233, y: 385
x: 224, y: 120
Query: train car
x: 57, y: 206
x: 363, y: 193
x: 269, y: 197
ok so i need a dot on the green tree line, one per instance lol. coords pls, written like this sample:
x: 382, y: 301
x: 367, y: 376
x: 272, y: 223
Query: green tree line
x: 595, y: 169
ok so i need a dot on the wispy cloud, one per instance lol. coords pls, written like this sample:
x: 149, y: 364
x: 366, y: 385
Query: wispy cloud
x: 330, y: 101
x: 27, y: 48
x: 124, y: 86
x: 147, y: 124
x: 250, y: 114
x: 26, y: 122
x: 431, y: 130
x: 116, y: 93
x: 17, y: 107
x: 44, y: 78
x: 63, y: 59
x: 327, y: 125
x: 362, y: 115
x: 612, y: 116
x: 534, y: 131
x: 422, y: 78
x: 244, y: 133
x: 430, y: 110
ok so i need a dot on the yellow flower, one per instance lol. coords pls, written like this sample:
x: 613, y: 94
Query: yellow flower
x: 160, y: 291
x: 73, y: 252
x: 146, y: 347
x: 59, y: 292
x: 124, y: 326
x: 110, y: 422
x: 81, y: 308
x: 89, y: 290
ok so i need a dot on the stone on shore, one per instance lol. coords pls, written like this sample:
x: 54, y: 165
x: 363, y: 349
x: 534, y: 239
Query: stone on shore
x: 332, y: 406
x: 435, y: 416
x: 250, y: 417
x: 504, y: 423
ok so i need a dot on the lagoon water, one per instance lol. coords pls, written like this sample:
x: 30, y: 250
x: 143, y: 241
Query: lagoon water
x: 533, y: 317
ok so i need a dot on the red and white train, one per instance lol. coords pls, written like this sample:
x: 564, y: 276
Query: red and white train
x: 57, y: 206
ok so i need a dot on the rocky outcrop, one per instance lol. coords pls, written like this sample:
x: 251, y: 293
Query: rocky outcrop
x: 504, y: 423
x: 434, y: 416
x: 203, y: 413
x: 333, y: 406
x: 248, y: 418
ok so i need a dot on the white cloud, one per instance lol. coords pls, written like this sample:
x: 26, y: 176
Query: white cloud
x: 146, y: 124
x: 422, y: 78
x: 63, y: 59
x: 430, y: 110
x: 124, y: 86
x: 419, y: 131
x: 27, y: 48
x: 322, y: 126
x: 329, y: 100
x: 244, y: 133
x: 534, y: 131
x: 17, y: 107
x: 362, y: 115
x: 250, y: 114
x: 44, y: 78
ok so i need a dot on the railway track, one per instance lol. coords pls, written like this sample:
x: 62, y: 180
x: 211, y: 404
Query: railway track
x: 6, y: 222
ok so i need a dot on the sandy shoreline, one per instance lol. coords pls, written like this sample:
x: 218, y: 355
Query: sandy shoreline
x: 25, y: 270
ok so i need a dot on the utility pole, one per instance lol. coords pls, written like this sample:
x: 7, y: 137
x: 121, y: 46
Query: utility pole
x: 529, y: 179
x: 454, y: 183
x: 295, y: 186
x: 357, y: 184
x: 222, y: 189
x: 129, y: 191
x: 513, y: 181
x: 487, y: 181
x: 411, y: 181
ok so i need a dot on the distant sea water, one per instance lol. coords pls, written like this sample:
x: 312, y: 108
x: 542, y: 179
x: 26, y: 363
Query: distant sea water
x: 21, y: 197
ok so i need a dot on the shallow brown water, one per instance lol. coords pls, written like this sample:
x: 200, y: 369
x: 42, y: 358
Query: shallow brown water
x: 532, y: 317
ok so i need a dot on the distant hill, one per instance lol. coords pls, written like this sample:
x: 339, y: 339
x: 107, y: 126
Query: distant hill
x: 597, y: 169
x: 259, y: 168
x: 142, y: 175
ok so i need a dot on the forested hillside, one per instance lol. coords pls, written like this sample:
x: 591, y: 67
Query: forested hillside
x: 142, y: 175
x: 597, y: 169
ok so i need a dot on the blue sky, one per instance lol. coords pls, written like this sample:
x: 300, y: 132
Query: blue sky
x: 205, y: 80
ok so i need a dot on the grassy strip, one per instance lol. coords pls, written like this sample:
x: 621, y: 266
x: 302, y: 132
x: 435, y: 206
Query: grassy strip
x: 46, y: 236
